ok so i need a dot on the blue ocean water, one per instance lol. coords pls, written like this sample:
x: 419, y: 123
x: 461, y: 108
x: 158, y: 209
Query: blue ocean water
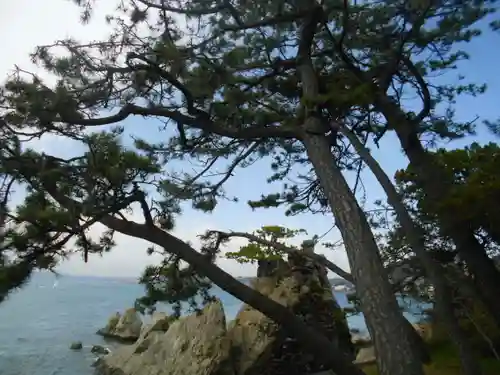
x: 39, y: 322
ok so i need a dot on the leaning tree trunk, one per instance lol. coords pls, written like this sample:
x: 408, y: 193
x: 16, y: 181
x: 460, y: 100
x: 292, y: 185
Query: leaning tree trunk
x: 436, y: 273
x: 393, y: 344
x: 430, y: 177
x: 312, y: 340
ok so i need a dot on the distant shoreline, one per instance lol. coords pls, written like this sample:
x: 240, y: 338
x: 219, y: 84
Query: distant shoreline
x: 337, y: 281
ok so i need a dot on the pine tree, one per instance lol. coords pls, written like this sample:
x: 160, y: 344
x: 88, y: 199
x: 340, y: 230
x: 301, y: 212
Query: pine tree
x: 238, y: 81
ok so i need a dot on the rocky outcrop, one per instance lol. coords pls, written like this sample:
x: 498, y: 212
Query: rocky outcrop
x: 424, y: 330
x: 99, y: 350
x: 252, y: 344
x: 360, y: 341
x: 261, y: 347
x: 160, y: 322
x: 111, y: 325
x: 269, y: 268
x: 77, y: 345
x: 126, y: 327
x: 197, y: 344
x: 365, y: 356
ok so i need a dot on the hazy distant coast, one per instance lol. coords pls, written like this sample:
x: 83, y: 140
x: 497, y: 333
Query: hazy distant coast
x: 338, y: 284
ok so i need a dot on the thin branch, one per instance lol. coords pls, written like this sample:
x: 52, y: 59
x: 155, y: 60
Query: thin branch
x: 202, y: 122
x: 424, y: 88
x: 187, y: 12
x: 144, y: 206
x: 240, y: 158
x: 289, y: 250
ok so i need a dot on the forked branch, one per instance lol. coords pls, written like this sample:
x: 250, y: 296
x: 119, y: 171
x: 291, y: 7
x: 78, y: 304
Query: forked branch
x: 321, y: 259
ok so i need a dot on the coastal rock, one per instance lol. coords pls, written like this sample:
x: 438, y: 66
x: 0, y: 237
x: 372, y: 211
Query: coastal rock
x: 360, y: 341
x: 160, y: 322
x: 424, y: 330
x: 261, y: 347
x: 268, y: 268
x: 252, y: 344
x: 365, y: 356
x: 77, y: 345
x: 196, y: 344
x: 111, y: 325
x: 126, y: 327
x: 100, y: 350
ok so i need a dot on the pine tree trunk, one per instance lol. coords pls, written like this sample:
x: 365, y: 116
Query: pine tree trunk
x: 395, y: 353
x: 436, y: 273
x: 429, y: 176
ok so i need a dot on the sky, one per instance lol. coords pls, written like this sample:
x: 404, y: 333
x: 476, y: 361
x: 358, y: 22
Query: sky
x: 24, y: 24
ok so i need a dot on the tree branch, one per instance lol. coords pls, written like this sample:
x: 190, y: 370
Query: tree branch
x: 269, y: 21
x: 199, y: 122
x: 314, y: 341
x: 424, y: 88
x: 240, y: 158
x: 289, y: 250
x: 188, y: 12
x: 141, y: 197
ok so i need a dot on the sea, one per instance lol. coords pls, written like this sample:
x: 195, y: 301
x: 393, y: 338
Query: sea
x: 40, y: 321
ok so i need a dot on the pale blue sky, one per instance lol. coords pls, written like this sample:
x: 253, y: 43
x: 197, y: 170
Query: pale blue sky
x: 129, y: 258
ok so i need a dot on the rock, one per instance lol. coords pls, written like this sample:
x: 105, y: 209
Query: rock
x: 100, y: 350
x: 260, y: 347
x: 360, y: 341
x: 77, y: 345
x: 129, y: 325
x: 365, y: 356
x: 252, y: 344
x: 424, y: 330
x: 269, y: 268
x: 126, y: 327
x: 350, y: 310
x: 196, y: 344
x: 160, y: 322
x: 111, y: 325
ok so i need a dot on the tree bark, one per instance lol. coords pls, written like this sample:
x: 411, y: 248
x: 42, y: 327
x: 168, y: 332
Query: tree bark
x: 430, y: 178
x: 388, y: 328
x: 393, y: 344
x: 436, y: 273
